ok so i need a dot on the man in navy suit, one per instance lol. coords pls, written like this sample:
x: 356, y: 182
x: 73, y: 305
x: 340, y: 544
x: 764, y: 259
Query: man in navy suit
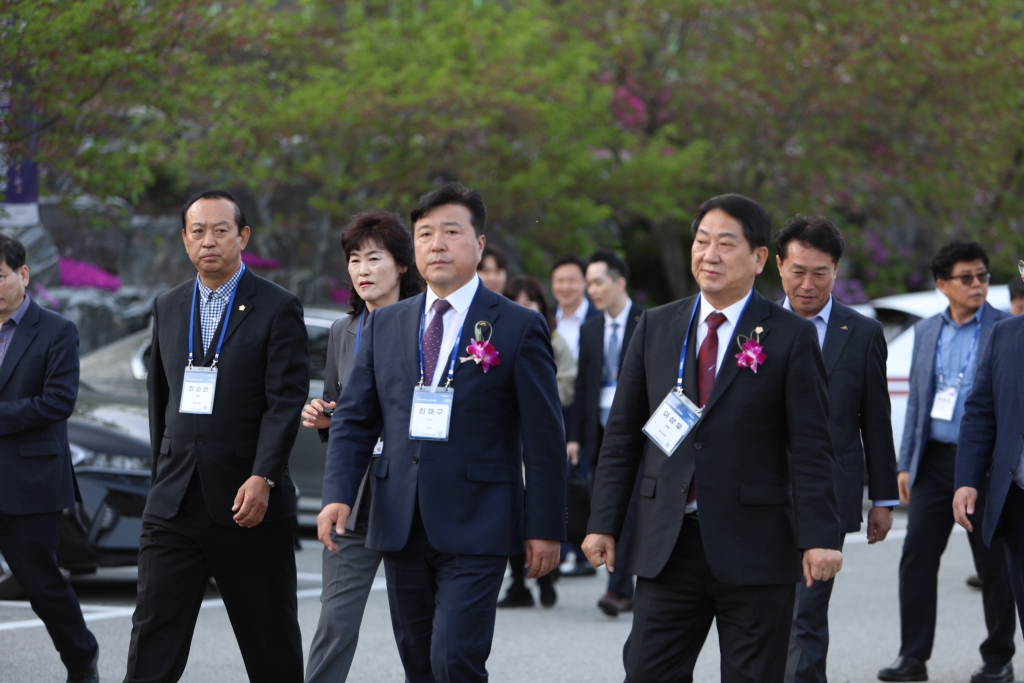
x: 38, y: 388
x: 943, y: 368
x: 990, y: 454
x: 853, y: 347
x: 461, y: 382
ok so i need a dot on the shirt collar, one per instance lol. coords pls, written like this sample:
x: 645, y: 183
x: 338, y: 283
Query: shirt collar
x: 20, y: 313
x: 825, y: 313
x: 579, y: 314
x: 460, y: 299
x: 622, y: 317
x: 732, y: 313
x: 225, y: 289
x: 946, y: 317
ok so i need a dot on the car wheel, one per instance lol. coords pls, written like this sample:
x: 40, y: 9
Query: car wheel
x: 9, y: 587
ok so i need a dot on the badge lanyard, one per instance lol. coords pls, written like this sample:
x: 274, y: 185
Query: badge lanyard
x: 455, y: 351
x: 359, y: 330
x: 431, y: 414
x: 967, y: 360
x: 686, y: 340
x: 224, y: 327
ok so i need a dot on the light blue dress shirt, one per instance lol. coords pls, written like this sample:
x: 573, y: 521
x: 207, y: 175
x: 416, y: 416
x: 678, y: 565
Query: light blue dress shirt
x: 955, y: 342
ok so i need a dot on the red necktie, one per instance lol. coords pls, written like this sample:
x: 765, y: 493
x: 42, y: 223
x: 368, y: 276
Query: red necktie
x: 707, y: 360
x: 432, y: 340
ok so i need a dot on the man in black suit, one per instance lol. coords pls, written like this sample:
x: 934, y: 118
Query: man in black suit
x: 853, y: 347
x: 603, y: 343
x: 737, y: 496
x: 38, y: 388
x: 228, y: 377
x: 461, y: 381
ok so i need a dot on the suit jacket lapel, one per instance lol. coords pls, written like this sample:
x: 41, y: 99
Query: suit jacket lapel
x: 1019, y: 361
x: 756, y: 315
x: 679, y: 335
x: 24, y: 334
x: 483, y: 309
x: 837, y: 333
x: 409, y: 328
x: 634, y: 317
x: 242, y: 305
x: 926, y: 363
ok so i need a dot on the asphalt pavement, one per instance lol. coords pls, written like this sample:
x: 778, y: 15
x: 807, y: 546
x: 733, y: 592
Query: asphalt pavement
x: 571, y: 643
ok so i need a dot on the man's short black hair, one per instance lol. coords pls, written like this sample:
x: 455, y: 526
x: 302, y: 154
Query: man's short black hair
x: 496, y: 253
x: 570, y: 261
x: 215, y: 194
x: 957, y: 251
x: 811, y: 231
x: 616, y: 266
x: 1016, y: 288
x: 12, y: 252
x: 453, y: 193
x: 756, y: 222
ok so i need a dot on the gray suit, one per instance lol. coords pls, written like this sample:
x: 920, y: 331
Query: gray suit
x: 348, y: 573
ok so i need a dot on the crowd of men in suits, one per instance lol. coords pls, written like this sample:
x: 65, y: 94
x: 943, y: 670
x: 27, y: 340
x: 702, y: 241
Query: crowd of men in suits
x: 725, y: 435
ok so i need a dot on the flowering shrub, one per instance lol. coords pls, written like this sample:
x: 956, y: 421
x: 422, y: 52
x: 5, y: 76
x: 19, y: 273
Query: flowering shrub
x: 81, y: 274
x: 339, y: 295
x: 256, y: 261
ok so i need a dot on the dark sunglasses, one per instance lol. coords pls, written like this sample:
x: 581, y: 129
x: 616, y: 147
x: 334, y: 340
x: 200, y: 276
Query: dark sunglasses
x: 967, y: 279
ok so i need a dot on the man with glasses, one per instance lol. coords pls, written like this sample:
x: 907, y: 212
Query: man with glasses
x: 946, y: 352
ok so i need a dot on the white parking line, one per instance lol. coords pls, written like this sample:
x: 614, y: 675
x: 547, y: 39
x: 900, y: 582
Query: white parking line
x: 102, y: 612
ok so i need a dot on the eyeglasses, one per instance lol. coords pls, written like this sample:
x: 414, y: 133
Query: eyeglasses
x: 3, y: 278
x: 968, y: 279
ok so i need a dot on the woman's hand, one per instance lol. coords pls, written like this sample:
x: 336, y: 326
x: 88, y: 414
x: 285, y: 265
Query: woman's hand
x: 313, y: 414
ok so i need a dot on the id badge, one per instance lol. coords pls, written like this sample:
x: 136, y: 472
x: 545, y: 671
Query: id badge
x: 379, y: 448
x: 607, y: 395
x: 671, y: 422
x: 431, y: 413
x: 945, y: 404
x: 198, y: 390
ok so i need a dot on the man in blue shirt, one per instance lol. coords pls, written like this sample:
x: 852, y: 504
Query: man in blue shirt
x: 946, y: 352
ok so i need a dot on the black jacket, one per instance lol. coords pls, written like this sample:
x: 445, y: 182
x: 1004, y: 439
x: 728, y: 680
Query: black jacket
x: 38, y: 389
x: 585, y: 417
x: 761, y: 453
x: 262, y: 384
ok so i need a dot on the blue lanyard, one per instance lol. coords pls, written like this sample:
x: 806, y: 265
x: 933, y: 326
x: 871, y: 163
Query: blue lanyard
x: 224, y: 327
x: 455, y: 350
x: 686, y: 339
x: 970, y: 351
x: 359, y: 331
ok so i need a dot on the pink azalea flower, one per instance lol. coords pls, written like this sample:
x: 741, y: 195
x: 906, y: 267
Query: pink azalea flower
x: 483, y: 353
x: 752, y: 355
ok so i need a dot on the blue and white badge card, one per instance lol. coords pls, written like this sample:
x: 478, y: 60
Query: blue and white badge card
x: 945, y: 404
x: 431, y: 413
x: 671, y: 422
x: 607, y: 395
x: 379, y: 448
x: 198, y: 390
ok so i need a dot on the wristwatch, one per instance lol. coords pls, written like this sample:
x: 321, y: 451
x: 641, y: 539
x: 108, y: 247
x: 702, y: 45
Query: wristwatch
x: 269, y: 482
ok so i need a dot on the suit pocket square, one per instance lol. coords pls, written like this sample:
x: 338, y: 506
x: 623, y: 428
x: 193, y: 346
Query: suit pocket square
x: 759, y: 494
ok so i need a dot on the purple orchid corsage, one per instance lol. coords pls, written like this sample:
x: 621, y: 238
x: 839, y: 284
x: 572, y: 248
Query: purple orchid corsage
x: 480, y: 350
x: 751, y: 352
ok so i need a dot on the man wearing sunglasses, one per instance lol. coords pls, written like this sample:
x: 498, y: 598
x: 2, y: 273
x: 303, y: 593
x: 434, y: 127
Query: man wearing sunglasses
x: 946, y: 352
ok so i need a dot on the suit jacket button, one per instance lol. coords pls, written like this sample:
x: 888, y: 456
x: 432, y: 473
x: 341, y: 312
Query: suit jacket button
x: 415, y: 460
x: 697, y: 446
x: 683, y: 488
x: 199, y: 442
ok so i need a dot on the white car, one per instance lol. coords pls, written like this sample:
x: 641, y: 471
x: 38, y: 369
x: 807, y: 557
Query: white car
x: 898, y: 315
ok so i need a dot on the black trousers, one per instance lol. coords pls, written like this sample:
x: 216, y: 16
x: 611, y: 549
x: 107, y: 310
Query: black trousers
x: 255, y: 573
x: 29, y: 545
x: 1013, y: 527
x: 442, y: 609
x: 929, y: 524
x: 672, y: 616
x: 808, y: 643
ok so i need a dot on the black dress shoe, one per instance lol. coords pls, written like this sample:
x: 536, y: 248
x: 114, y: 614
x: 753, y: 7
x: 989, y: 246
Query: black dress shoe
x: 548, y: 596
x: 993, y: 673
x: 904, y: 669
x: 86, y: 674
x: 974, y: 581
x: 581, y: 569
x: 612, y: 604
x: 517, y: 597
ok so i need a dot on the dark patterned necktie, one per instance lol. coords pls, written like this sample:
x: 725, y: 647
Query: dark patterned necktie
x: 707, y: 361
x: 432, y: 340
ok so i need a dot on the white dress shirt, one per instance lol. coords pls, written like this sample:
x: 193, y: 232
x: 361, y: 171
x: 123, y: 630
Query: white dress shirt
x: 568, y: 326
x: 454, y: 319
x: 620, y: 331
x: 820, y: 320
x: 725, y: 330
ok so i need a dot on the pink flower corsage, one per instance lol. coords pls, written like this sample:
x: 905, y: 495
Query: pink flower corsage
x: 751, y: 352
x: 480, y: 350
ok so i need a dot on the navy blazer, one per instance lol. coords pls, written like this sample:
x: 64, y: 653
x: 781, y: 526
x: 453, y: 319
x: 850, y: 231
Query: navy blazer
x: 38, y: 389
x: 992, y: 431
x: 470, y: 488
x: 917, y: 427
